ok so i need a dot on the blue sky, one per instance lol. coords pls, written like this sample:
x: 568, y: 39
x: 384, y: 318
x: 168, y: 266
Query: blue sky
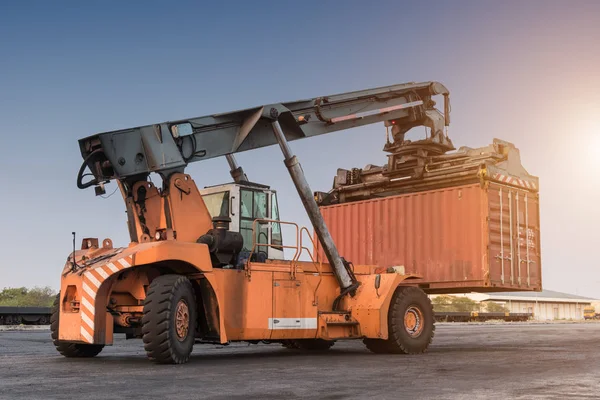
x: 526, y: 72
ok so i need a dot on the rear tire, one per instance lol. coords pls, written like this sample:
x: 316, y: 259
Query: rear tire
x: 308, y: 344
x: 169, y: 321
x: 411, y: 324
x: 65, y: 348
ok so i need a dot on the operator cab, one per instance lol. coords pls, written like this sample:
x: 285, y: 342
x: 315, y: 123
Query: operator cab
x: 244, y: 203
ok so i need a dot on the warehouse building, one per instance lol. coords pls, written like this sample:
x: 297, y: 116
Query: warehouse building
x: 545, y: 305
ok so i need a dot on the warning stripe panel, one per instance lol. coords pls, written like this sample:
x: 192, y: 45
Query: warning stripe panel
x: 102, y: 272
x: 514, y: 181
x: 97, y: 275
x: 112, y: 267
x: 87, y: 320
x: 92, y: 280
x: 88, y: 290
x: 86, y: 335
x: 87, y: 306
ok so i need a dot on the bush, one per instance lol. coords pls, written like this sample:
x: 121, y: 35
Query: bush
x: 24, y: 297
x: 492, y: 306
x: 446, y: 303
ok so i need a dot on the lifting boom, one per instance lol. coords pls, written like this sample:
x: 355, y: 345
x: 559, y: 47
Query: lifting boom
x: 130, y: 155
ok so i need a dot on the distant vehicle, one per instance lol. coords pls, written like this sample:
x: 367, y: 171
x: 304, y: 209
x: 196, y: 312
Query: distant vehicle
x: 590, y: 313
x: 24, y: 315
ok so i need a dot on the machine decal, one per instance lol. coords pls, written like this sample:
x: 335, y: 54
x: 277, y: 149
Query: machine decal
x: 292, y: 323
x: 92, y: 280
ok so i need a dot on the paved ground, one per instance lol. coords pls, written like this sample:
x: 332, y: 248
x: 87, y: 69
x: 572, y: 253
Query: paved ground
x: 508, y: 361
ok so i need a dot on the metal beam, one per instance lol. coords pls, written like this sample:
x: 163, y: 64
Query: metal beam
x: 170, y: 146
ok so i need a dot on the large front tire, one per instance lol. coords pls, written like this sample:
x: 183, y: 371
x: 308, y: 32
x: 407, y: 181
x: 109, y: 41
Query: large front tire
x: 410, y: 324
x: 65, y: 348
x: 169, y: 321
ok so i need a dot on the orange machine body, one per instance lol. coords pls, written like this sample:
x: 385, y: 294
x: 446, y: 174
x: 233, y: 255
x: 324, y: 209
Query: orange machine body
x: 105, y: 288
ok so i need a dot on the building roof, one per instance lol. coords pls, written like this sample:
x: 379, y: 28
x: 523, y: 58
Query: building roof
x: 544, y: 295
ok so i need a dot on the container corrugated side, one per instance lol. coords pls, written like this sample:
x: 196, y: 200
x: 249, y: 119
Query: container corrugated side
x: 514, y: 245
x: 448, y: 236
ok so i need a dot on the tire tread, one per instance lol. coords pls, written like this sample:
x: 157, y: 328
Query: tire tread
x: 156, y: 328
x: 395, y: 343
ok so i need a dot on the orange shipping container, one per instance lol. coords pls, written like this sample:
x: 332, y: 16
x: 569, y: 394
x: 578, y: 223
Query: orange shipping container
x: 459, y: 239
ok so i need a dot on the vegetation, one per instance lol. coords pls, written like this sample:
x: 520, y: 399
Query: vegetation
x: 492, y: 306
x: 24, y: 297
x: 446, y: 303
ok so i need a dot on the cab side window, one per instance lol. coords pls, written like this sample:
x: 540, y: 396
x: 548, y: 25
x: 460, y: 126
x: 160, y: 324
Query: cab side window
x: 275, y: 227
x: 260, y: 205
x: 217, y: 204
x: 253, y: 205
x: 246, y: 207
x: 246, y: 204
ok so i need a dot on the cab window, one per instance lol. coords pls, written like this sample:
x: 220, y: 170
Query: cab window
x: 260, y: 205
x: 276, y: 227
x: 253, y: 205
x: 217, y: 204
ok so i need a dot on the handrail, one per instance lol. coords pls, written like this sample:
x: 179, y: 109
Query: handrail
x: 299, y: 247
x: 302, y: 247
x: 262, y: 221
x: 320, y: 264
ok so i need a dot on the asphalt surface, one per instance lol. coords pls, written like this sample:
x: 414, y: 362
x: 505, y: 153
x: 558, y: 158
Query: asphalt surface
x: 506, y: 361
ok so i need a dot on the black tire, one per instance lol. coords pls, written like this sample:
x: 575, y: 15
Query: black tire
x: 308, y: 344
x: 167, y: 296
x: 65, y: 348
x: 402, y: 339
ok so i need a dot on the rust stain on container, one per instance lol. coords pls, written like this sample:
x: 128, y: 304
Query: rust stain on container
x: 459, y: 239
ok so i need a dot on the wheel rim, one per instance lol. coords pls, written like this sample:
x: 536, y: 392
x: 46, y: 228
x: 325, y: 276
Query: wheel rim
x: 413, y: 321
x: 182, y: 320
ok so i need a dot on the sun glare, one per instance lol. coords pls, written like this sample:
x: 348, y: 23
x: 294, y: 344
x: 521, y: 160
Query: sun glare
x: 589, y: 136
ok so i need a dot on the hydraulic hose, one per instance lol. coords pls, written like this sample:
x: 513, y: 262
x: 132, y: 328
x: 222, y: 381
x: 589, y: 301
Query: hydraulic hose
x: 80, y: 175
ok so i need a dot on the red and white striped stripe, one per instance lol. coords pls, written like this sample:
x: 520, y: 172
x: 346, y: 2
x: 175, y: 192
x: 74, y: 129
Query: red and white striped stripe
x: 92, y: 280
x: 514, y: 181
